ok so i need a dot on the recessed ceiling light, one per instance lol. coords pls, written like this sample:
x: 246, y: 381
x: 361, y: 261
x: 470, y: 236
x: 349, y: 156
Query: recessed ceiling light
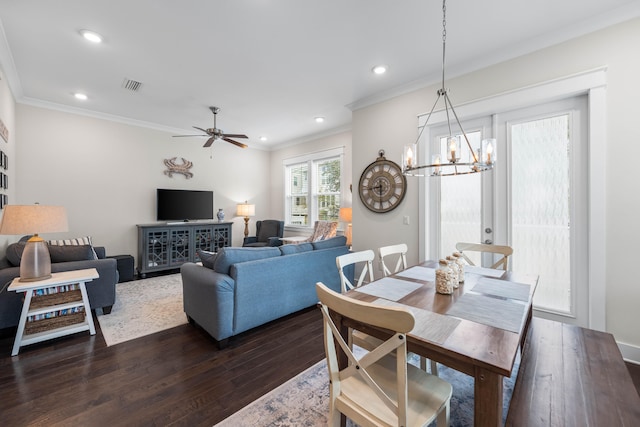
x: 263, y: 138
x: 80, y: 96
x: 379, y: 69
x: 91, y: 36
x: 319, y: 119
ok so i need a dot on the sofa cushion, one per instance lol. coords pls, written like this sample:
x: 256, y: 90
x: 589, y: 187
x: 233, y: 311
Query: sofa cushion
x: 330, y: 243
x: 296, y: 249
x: 14, y: 253
x: 85, y: 240
x: 71, y: 253
x: 208, y: 258
x: 228, y: 256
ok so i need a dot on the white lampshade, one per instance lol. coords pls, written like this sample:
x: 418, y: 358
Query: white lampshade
x: 35, y: 263
x: 345, y: 214
x: 245, y: 209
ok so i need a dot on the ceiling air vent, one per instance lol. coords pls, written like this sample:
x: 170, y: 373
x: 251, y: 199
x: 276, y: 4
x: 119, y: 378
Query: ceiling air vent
x: 131, y: 85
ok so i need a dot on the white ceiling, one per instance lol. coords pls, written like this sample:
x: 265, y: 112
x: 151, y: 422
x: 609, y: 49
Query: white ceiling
x: 270, y: 65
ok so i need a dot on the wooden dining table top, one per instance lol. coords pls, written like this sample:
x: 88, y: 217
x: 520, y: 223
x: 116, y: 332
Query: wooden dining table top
x: 479, y: 325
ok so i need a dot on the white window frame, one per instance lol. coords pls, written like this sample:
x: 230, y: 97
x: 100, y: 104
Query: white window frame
x: 311, y: 159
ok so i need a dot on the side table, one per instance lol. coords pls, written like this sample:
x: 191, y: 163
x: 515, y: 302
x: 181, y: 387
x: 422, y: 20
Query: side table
x: 293, y: 239
x: 54, y: 307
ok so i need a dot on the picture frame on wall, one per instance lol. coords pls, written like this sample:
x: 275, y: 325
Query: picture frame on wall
x: 2, y: 175
x: 5, y: 160
x: 5, y: 182
x: 5, y: 200
x: 2, y: 159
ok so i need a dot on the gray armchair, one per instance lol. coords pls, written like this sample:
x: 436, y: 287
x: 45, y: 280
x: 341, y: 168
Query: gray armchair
x: 268, y: 233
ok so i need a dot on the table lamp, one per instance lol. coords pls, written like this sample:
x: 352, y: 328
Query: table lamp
x: 35, y: 263
x: 246, y: 210
x: 345, y: 215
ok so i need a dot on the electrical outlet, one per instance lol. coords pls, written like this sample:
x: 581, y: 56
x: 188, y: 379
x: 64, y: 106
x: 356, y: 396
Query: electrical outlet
x: 405, y: 220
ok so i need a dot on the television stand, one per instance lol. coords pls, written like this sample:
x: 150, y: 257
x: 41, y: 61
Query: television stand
x: 166, y: 246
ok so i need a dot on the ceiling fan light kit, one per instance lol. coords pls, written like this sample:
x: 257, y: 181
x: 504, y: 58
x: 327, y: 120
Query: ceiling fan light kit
x: 214, y: 133
x: 449, y: 163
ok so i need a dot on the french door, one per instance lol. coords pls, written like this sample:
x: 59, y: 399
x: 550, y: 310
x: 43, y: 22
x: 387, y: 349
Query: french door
x: 534, y: 200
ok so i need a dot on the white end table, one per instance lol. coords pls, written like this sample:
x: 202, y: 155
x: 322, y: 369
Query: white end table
x: 51, y: 287
x: 293, y: 239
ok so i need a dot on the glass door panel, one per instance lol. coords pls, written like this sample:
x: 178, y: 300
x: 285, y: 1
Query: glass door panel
x: 540, y: 208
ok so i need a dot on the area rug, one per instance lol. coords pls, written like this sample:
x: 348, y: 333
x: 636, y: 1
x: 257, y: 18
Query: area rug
x: 144, y: 307
x: 304, y: 401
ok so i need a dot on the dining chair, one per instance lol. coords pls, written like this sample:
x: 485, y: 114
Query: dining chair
x: 379, y: 387
x: 363, y: 259
x: 505, y: 251
x: 401, y: 250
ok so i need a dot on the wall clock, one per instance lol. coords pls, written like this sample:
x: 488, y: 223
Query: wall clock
x: 382, y: 185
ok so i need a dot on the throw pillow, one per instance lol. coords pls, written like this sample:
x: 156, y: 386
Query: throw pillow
x: 330, y: 243
x: 228, y: 256
x: 296, y: 249
x: 14, y: 253
x: 85, y: 240
x: 69, y: 253
x: 208, y: 258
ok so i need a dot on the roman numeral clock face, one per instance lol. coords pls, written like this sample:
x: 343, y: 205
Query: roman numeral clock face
x: 382, y: 185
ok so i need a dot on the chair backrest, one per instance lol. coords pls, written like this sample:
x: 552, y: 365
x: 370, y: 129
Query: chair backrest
x: 269, y: 228
x: 401, y: 250
x: 323, y: 230
x: 505, y: 251
x: 363, y: 257
x: 358, y: 372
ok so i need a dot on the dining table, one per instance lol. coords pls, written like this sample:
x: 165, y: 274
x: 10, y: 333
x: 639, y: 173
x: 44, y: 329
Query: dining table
x: 477, y: 330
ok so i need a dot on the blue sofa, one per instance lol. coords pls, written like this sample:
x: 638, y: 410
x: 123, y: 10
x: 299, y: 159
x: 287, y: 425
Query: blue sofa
x: 241, y: 288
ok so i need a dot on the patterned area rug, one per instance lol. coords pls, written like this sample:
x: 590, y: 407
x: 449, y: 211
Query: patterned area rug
x: 144, y: 307
x: 304, y: 401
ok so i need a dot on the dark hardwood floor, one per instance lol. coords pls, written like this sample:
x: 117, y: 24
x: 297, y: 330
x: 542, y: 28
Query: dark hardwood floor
x: 174, y: 377
x: 177, y: 377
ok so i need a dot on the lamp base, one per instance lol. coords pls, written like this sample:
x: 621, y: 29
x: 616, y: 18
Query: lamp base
x: 35, y: 263
x: 246, y: 226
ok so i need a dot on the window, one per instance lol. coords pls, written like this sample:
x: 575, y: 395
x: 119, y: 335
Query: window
x: 312, y: 188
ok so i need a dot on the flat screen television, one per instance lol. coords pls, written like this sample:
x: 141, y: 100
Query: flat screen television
x: 184, y: 205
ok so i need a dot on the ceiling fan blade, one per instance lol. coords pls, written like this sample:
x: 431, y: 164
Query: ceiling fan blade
x: 203, y: 130
x: 178, y: 136
x: 235, y: 135
x: 239, y: 144
x: 209, y: 142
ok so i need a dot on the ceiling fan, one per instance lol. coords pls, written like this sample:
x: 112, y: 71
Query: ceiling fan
x: 214, y: 133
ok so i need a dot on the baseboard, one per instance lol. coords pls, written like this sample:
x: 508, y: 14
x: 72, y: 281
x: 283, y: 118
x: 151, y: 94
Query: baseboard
x: 630, y: 353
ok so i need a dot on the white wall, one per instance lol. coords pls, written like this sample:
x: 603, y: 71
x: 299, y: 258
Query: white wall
x: 106, y: 174
x: 7, y: 115
x: 392, y: 124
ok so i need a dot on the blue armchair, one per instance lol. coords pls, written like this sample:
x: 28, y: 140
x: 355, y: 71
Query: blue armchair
x: 268, y: 233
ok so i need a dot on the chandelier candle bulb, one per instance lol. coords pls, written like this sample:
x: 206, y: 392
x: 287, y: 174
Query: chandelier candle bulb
x: 436, y: 162
x: 488, y: 151
x: 409, y: 156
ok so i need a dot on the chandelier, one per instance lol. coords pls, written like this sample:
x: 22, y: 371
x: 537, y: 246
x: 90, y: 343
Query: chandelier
x: 449, y: 163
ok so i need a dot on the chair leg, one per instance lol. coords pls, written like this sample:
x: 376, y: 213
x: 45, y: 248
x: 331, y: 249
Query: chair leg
x: 434, y: 368
x: 443, y: 416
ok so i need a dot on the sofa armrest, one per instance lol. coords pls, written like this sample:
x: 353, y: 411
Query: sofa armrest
x: 101, y: 291
x: 250, y: 239
x: 208, y: 299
